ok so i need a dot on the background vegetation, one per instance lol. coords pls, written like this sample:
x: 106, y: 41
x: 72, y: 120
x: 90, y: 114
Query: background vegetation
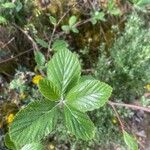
x: 111, y: 39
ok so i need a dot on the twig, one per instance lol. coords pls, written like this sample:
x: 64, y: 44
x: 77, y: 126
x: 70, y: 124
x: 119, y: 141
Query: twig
x: 117, y: 115
x: 55, y: 27
x: 8, y: 42
x: 83, y: 22
x: 9, y: 59
x: 35, y: 47
x: 135, y: 107
x: 29, y: 37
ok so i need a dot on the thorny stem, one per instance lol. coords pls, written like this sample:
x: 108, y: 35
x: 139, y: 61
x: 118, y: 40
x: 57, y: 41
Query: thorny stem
x: 135, y: 107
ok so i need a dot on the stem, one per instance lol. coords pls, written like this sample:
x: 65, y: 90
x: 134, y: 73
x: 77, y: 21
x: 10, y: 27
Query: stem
x: 20, y: 54
x: 35, y: 47
x: 55, y: 27
x: 117, y: 115
x: 135, y: 107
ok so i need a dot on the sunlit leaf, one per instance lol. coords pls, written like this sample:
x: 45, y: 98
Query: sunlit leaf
x: 64, y: 70
x: 78, y: 123
x: 89, y: 95
x: 49, y: 90
x: 33, y: 122
x: 33, y: 146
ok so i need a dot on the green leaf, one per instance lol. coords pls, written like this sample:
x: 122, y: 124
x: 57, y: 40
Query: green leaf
x: 42, y: 43
x: 64, y: 70
x: 59, y: 45
x: 49, y: 90
x: 65, y: 28
x: 53, y: 20
x: 78, y: 123
x: 2, y: 20
x: 94, y: 21
x: 39, y: 58
x: 89, y: 95
x: 99, y: 15
x: 143, y: 3
x: 19, y: 6
x: 34, y: 122
x: 115, y: 11
x: 8, y: 5
x: 75, y: 30
x: 130, y: 141
x: 33, y: 146
x: 9, y: 143
x: 72, y: 20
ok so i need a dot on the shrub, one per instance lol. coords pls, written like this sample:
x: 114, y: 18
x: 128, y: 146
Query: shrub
x: 126, y: 65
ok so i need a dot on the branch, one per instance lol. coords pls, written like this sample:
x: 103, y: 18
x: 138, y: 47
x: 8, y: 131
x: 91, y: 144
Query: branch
x: 117, y: 115
x: 35, y: 47
x: 135, y: 107
x: 3, y: 46
x: 20, y: 54
x: 55, y: 27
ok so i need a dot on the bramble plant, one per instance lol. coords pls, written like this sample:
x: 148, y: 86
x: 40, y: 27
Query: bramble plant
x: 64, y: 91
x: 71, y: 25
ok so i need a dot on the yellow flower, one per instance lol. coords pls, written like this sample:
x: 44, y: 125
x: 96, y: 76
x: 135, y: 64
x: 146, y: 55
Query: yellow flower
x: 36, y: 79
x: 10, y: 118
x: 147, y: 87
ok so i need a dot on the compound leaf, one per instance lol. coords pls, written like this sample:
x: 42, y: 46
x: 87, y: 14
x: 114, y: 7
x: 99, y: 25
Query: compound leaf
x: 34, y: 122
x: 89, y: 95
x: 64, y: 70
x: 78, y: 123
x: 49, y: 90
x: 33, y: 146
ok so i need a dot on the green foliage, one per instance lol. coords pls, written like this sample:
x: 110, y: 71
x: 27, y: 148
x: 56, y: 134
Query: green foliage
x: 64, y: 70
x: 130, y: 141
x: 59, y: 45
x: 61, y: 89
x: 84, y: 96
x: 8, y: 10
x: 9, y: 143
x: 71, y: 25
x: 33, y: 146
x: 145, y: 101
x: 49, y: 90
x: 53, y: 20
x: 141, y: 3
x: 42, y: 43
x: 39, y: 58
x: 9, y: 5
x: 3, y: 20
x: 97, y: 16
x: 36, y: 121
x: 126, y: 66
x: 112, y: 8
